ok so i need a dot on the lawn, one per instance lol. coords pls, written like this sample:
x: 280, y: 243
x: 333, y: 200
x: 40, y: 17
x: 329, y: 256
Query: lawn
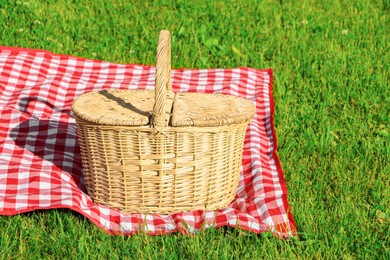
x: 331, y: 89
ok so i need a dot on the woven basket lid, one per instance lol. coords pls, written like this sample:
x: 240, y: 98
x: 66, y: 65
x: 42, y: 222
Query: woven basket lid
x: 118, y: 107
x: 135, y: 108
x: 198, y: 109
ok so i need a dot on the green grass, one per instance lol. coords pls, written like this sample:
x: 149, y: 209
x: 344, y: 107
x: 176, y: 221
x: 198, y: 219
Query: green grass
x: 331, y: 65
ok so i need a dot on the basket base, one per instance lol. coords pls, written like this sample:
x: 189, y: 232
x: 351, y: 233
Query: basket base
x: 164, y: 209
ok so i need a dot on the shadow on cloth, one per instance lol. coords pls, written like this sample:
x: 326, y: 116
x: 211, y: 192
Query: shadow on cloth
x: 53, y: 141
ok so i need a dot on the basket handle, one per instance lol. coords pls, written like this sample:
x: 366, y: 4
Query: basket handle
x: 163, y: 79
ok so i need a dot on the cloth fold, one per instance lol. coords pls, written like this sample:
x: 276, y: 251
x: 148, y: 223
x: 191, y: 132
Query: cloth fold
x: 40, y: 163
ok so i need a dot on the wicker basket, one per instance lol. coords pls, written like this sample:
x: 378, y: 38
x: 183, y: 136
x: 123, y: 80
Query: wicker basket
x: 161, y: 152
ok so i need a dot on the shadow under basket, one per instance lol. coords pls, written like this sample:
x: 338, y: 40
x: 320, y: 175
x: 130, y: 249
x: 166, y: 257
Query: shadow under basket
x: 160, y: 152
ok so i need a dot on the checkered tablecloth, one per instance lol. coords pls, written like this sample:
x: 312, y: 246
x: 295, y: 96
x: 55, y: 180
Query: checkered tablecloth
x: 40, y: 164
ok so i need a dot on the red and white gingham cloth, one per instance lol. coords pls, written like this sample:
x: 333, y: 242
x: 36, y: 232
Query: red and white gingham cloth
x: 40, y: 165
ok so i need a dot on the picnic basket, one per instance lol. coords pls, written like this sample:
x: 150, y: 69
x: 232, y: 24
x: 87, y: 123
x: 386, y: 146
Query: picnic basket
x: 156, y: 151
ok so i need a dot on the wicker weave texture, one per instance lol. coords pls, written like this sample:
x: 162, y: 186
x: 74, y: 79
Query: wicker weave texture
x: 140, y: 155
x: 134, y: 170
